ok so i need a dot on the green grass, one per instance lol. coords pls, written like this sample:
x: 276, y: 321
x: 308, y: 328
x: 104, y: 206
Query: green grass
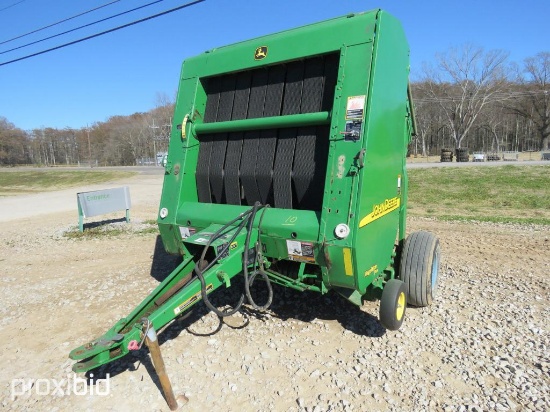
x: 508, y: 194
x: 13, y: 182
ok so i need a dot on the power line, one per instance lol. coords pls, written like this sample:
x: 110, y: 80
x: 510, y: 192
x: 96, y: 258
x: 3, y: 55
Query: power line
x: 104, y: 32
x: 58, y: 22
x: 81, y: 27
x: 11, y: 5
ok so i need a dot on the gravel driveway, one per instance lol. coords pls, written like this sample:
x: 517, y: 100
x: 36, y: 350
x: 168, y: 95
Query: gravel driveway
x: 482, y: 346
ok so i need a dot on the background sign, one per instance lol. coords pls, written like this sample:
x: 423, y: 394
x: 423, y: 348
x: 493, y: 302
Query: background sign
x: 100, y: 202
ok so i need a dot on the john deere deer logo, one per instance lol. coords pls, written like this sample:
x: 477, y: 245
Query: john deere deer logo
x: 260, y: 53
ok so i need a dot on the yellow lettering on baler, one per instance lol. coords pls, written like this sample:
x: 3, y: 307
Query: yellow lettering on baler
x: 381, y: 209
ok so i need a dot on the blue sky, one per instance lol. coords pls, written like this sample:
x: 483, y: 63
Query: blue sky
x: 123, y: 72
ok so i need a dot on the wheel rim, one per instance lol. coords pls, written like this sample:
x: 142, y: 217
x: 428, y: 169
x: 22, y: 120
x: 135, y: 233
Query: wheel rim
x: 435, y: 270
x: 400, y: 307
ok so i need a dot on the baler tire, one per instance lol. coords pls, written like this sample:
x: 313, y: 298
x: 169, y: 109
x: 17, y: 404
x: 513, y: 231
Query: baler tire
x: 393, y: 304
x: 419, y: 267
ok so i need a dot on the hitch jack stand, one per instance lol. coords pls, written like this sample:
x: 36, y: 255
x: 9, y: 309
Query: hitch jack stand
x: 154, y: 348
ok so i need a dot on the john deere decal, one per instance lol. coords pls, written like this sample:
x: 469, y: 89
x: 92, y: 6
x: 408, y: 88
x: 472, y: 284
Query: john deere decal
x: 379, y: 210
x: 260, y: 53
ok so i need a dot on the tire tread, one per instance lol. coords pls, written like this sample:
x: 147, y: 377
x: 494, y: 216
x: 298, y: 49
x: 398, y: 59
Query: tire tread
x: 415, y: 266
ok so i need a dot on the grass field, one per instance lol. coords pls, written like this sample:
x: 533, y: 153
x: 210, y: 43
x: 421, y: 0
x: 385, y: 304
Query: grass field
x: 517, y: 194
x: 13, y: 182
x: 490, y: 194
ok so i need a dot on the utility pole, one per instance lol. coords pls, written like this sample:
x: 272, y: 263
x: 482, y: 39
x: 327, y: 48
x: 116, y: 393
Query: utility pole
x: 89, y: 147
x: 154, y: 141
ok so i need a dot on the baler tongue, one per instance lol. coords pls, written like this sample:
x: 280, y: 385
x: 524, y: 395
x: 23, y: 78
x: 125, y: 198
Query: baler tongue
x: 223, y: 246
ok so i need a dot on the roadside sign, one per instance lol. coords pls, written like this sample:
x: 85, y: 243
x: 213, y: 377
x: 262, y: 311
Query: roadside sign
x: 100, y: 202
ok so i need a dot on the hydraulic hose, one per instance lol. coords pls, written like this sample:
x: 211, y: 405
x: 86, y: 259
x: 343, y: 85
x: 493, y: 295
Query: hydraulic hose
x: 248, y: 280
x: 250, y: 215
x: 199, y: 271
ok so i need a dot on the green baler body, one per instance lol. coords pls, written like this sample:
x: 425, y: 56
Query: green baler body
x: 313, y: 121
x: 364, y: 174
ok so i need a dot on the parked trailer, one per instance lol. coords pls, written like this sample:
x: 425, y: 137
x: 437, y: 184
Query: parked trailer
x: 478, y: 157
x: 510, y: 156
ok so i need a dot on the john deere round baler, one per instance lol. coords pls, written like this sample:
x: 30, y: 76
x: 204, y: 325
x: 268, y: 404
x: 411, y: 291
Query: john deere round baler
x: 286, y: 165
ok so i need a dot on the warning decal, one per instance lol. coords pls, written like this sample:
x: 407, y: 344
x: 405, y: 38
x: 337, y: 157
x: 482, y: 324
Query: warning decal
x: 355, y: 107
x: 300, y: 251
x: 196, y: 297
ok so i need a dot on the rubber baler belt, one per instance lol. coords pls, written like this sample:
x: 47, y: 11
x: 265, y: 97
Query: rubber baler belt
x: 300, y: 86
x: 293, y: 88
x: 264, y: 165
x: 202, y: 175
x: 284, y: 167
x: 308, y: 171
x: 232, y: 161
x: 251, y: 142
x: 216, y: 169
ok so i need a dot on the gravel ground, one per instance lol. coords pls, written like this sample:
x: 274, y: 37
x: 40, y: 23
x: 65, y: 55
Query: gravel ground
x: 482, y: 346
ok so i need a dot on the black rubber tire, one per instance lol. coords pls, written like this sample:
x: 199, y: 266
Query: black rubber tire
x: 419, y: 267
x: 393, y: 304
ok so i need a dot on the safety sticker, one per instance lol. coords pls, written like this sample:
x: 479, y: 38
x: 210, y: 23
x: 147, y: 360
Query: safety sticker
x: 355, y: 107
x: 193, y: 299
x: 186, y: 231
x: 300, y: 251
x: 353, y: 130
x: 219, y: 250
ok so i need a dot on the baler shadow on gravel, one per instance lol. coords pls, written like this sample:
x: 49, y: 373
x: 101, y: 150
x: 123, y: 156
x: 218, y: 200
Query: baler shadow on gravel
x: 287, y: 166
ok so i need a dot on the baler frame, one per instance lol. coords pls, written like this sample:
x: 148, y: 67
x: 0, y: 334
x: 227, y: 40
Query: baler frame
x: 339, y: 114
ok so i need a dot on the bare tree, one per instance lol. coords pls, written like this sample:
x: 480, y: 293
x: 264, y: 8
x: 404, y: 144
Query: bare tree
x: 424, y: 122
x: 533, y: 95
x: 465, y: 81
x: 492, y: 121
x: 13, y: 144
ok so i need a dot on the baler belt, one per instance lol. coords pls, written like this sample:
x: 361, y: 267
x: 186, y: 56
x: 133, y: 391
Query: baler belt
x: 248, y: 166
x: 312, y: 92
x: 216, y: 174
x: 264, y: 165
x: 274, y: 92
x: 227, y: 96
x: 304, y: 162
x: 300, y: 86
x: 257, y: 93
x: 242, y: 96
x: 231, y: 169
x: 211, y: 109
x: 203, y: 164
x: 310, y: 162
x: 282, y: 168
x: 330, y: 77
x: 293, y: 88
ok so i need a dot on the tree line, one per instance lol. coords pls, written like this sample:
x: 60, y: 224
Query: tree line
x: 468, y: 97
